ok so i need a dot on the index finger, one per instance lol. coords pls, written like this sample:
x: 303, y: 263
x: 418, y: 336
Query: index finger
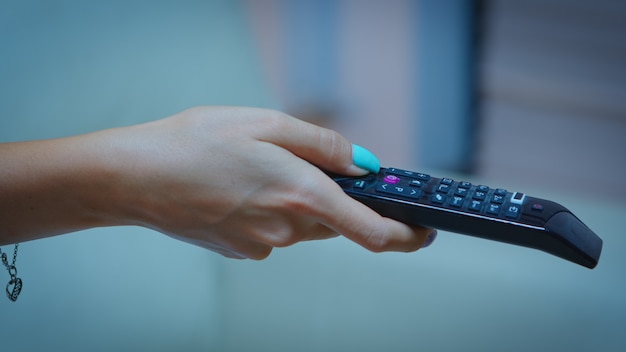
x: 320, y: 146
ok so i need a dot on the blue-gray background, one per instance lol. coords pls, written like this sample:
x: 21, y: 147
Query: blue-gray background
x: 70, y: 67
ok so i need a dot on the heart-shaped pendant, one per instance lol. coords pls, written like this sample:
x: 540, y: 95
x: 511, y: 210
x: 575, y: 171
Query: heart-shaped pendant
x: 14, y: 287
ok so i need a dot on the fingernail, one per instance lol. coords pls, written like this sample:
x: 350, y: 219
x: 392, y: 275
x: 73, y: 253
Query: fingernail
x: 364, y: 159
x: 430, y: 239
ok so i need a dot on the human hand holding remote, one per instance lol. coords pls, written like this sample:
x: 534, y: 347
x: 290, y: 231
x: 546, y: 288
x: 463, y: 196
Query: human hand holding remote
x: 238, y: 181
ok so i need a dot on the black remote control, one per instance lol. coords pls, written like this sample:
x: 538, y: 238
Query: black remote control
x: 416, y: 198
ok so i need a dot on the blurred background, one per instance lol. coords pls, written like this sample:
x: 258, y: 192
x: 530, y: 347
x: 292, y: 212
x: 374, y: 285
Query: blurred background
x: 529, y: 96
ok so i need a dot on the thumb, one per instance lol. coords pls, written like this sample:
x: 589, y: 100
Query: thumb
x: 325, y: 148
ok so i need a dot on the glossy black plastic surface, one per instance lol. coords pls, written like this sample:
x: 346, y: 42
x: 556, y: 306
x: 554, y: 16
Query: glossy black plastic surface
x: 419, y: 199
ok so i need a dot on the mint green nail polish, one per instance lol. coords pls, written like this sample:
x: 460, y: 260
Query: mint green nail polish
x: 364, y: 159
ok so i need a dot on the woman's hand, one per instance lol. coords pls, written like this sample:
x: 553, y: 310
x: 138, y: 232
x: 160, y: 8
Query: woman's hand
x: 238, y: 181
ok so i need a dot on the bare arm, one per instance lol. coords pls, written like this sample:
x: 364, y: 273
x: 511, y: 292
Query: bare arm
x: 238, y: 181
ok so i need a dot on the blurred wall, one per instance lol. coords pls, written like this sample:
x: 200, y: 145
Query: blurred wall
x: 553, y: 95
x: 370, y: 96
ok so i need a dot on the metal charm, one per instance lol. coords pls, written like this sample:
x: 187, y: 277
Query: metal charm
x: 14, y: 287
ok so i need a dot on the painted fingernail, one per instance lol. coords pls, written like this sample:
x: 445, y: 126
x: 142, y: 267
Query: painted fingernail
x: 430, y: 239
x: 364, y: 159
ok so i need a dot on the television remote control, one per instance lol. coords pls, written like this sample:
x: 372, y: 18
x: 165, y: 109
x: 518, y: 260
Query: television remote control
x: 416, y: 198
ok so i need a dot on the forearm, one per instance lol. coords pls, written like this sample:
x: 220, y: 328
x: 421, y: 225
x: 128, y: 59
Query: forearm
x: 54, y: 186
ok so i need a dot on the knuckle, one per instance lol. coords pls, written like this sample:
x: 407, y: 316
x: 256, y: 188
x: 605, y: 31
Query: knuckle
x: 376, y: 241
x: 273, y: 120
x: 280, y: 238
x: 336, y: 144
x: 290, y: 219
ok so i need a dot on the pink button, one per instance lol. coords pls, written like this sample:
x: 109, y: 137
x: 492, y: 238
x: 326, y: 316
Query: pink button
x: 392, y: 179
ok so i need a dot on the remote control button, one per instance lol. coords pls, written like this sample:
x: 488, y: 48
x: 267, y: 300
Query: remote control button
x: 465, y: 184
x: 457, y: 201
x: 446, y: 181
x: 416, y: 183
x: 438, y: 198
x: 360, y: 184
x: 392, y: 179
x: 411, y: 174
x: 482, y: 188
x: 498, y: 199
x: 512, y: 211
x: 493, y: 209
x: 399, y: 190
x: 479, y: 195
x: 500, y: 192
x: 443, y: 188
x: 537, y: 207
x: 423, y: 177
x: 415, y: 193
x: 518, y: 198
x: 475, y: 205
x: 399, y: 172
x: 461, y: 192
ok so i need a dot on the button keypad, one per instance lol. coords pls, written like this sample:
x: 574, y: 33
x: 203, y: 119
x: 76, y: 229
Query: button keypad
x: 448, y: 193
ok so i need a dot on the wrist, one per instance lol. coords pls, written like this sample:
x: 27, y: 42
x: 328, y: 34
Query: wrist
x: 110, y: 185
x: 58, y: 186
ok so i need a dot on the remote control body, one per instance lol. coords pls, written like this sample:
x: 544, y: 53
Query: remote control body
x: 492, y: 213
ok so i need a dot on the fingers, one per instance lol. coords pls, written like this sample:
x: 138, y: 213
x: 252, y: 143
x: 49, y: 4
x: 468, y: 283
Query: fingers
x: 322, y: 147
x: 383, y: 234
x: 331, y: 151
x: 327, y: 204
x: 364, y: 226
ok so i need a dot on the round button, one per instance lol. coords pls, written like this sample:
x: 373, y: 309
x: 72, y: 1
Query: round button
x: 537, y: 207
x: 391, y: 179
